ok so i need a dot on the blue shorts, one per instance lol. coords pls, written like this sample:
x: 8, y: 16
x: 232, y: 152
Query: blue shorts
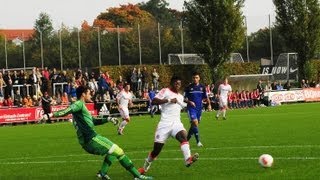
x: 194, y: 114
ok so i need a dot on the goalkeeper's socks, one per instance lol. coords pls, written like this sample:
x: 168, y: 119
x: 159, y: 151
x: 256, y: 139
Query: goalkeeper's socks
x: 106, y: 164
x: 127, y: 163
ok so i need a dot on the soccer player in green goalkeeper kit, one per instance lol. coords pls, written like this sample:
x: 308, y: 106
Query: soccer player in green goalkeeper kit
x: 92, y: 142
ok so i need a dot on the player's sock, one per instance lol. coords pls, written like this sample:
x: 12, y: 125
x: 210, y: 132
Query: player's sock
x: 185, y: 148
x: 224, y: 113
x: 190, y: 133
x: 127, y: 163
x: 123, y: 124
x: 106, y: 164
x: 196, y: 133
x: 218, y: 113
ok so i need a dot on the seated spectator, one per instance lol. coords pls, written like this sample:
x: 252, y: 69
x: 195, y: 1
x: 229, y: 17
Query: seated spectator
x: 17, y: 101
x: 287, y: 85
x: 279, y: 87
x: 145, y: 94
x: 59, y: 100
x: 64, y: 99
x: 106, y: 96
x: 27, y: 101
x: 54, y: 101
x: 35, y: 101
x: 8, y: 102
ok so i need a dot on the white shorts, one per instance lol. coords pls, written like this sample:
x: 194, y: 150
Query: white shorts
x: 223, y: 102
x: 124, y: 112
x: 165, y: 130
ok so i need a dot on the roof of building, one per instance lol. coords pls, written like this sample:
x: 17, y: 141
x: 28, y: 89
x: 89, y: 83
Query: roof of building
x: 22, y: 34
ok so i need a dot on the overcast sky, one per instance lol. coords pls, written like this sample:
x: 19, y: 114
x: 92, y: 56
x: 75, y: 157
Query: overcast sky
x: 21, y: 14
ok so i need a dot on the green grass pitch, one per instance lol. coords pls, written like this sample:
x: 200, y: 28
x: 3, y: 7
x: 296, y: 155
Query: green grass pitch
x: 290, y: 133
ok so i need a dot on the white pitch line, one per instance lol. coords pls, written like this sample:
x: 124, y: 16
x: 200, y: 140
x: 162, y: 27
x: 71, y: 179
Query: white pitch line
x: 160, y: 159
x: 172, y: 150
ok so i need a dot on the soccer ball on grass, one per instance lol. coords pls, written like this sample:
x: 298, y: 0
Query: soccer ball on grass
x: 266, y: 160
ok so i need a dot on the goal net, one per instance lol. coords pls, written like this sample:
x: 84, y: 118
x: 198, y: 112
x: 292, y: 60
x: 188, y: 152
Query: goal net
x: 235, y: 58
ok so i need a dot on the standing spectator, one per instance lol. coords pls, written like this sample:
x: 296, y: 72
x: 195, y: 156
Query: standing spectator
x: 259, y: 86
x: 46, y: 105
x: 33, y: 81
x: 139, y: 76
x: 134, y: 80
x: 303, y: 84
x: 120, y: 83
x: 103, y: 85
x: 145, y: 77
x: 45, y: 73
x: 2, y: 85
x: 8, y: 89
x: 155, y: 79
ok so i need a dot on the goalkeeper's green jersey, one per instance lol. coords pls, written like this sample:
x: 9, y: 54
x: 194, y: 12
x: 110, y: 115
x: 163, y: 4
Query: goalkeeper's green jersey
x: 82, y: 120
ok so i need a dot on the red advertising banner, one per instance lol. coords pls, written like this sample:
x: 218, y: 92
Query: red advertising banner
x: 14, y: 115
x: 311, y: 94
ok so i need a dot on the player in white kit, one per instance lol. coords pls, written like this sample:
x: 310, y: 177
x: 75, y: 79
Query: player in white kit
x: 124, y: 100
x: 223, y: 91
x: 171, y: 102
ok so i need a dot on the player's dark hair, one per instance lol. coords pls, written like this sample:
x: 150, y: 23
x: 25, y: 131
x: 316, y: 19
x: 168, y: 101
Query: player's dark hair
x: 80, y: 90
x: 174, y: 79
x: 195, y: 73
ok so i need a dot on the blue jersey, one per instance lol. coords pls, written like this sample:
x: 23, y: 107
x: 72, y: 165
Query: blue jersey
x: 195, y: 93
x: 152, y: 94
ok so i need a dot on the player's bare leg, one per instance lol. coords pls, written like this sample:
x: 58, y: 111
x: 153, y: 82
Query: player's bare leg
x: 157, y: 147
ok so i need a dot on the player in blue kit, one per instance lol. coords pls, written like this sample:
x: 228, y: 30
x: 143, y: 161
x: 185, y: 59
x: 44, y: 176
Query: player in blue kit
x: 195, y: 94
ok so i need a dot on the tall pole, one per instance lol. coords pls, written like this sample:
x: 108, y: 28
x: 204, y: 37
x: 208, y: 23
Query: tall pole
x: 23, y: 53
x: 79, y: 49
x: 182, y: 44
x: 41, y: 49
x: 60, y: 41
x: 99, y: 46
x: 5, y: 51
x: 159, y: 36
x: 139, y: 36
x: 247, y: 39
x: 119, y: 50
x: 271, y: 44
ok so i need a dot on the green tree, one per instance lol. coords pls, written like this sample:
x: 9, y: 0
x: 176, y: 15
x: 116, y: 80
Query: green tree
x: 299, y: 24
x: 259, y: 44
x: 216, y: 28
x: 164, y: 15
x: 43, y: 26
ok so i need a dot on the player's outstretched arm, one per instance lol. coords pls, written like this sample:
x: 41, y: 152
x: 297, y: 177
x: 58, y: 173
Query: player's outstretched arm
x: 104, y: 119
x: 157, y: 101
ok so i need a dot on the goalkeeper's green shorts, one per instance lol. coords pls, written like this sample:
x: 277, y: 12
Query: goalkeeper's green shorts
x: 100, y: 145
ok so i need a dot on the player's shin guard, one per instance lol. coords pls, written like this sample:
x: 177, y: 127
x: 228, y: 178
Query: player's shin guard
x: 196, y: 133
x: 127, y: 163
x: 185, y: 148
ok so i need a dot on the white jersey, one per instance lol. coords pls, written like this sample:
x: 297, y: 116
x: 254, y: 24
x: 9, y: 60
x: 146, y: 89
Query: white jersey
x: 170, y: 112
x: 124, y: 98
x: 224, y: 89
